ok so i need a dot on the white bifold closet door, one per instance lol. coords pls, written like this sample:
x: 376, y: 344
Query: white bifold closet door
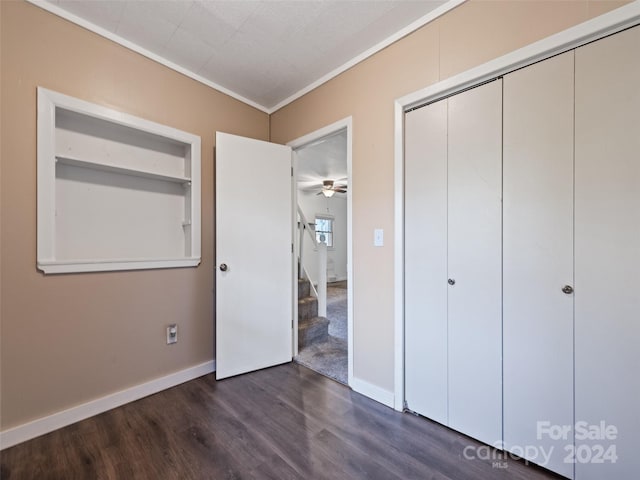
x: 453, y: 338
x: 475, y: 262
x: 538, y: 261
x: 607, y: 249
x: 426, y: 261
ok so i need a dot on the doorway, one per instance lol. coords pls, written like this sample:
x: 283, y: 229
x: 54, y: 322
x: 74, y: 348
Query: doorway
x: 323, y: 319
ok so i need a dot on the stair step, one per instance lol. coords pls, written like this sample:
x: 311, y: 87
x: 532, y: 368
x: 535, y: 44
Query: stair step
x: 304, y: 288
x: 312, y: 330
x: 307, y: 308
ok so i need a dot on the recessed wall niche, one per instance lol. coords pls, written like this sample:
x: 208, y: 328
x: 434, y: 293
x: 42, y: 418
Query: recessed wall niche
x: 115, y: 192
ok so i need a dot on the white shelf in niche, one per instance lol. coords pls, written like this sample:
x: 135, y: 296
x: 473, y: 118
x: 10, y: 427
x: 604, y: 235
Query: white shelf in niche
x: 105, y: 167
x: 115, y: 192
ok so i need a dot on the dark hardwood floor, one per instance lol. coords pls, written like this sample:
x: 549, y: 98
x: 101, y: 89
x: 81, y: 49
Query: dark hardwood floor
x: 285, y: 422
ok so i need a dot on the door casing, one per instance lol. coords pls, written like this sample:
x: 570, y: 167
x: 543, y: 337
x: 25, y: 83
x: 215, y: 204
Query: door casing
x: 296, y: 144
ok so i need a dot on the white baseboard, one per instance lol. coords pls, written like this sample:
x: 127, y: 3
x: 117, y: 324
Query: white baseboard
x: 372, y: 391
x: 35, y: 428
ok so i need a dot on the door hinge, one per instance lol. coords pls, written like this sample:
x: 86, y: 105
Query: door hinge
x: 292, y: 248
x: 292, y: 171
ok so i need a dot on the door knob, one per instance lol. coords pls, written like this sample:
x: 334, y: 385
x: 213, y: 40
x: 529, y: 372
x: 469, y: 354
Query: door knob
x: 223, y: 267
x: 451, y: 281
x: 568, y: 289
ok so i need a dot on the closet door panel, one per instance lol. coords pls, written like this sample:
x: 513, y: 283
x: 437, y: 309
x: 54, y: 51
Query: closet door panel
x: 607, y: 241
x: 474, y: 262
x: 538, y: 258
x: 426, y: 261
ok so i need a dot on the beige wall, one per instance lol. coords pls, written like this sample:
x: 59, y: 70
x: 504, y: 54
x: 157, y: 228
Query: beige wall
x: 468, y: 36
x: 68, y: 339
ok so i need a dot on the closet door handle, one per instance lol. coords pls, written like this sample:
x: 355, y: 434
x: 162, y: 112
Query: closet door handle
x: 568, y: 289
x: 451, y: 281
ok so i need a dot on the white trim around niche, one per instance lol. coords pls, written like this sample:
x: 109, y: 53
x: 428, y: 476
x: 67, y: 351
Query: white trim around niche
x: 47, y: 157
x: 589, y: 31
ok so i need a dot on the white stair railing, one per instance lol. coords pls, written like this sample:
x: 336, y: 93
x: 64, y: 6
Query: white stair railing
x: 304, y: 225
x: 321, y: 290
x: 306, y: 274
x: 322, y: 278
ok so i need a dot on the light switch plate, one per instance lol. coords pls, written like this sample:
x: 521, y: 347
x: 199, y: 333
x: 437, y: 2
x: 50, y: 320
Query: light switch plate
x: 172, y: 334
x: 378, y: 237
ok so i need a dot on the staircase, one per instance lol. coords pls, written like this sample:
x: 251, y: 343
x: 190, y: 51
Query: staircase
x: 311, y: 327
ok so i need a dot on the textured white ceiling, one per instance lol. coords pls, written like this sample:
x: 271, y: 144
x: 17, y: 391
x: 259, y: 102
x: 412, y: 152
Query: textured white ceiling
x: 264, y: 51
x: 324, y: 159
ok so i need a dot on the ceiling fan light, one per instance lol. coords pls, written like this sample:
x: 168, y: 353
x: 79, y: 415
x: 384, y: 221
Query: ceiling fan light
x: 328, y: 192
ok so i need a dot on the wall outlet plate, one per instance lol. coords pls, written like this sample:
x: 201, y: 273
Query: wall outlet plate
x: 172, y: 334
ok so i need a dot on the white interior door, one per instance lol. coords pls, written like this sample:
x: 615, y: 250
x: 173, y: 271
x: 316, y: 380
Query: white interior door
x: 475, y: 262
x: 254, y: 258
x: 426, y: 261
x: 538, y: 258
x: 607, y: 249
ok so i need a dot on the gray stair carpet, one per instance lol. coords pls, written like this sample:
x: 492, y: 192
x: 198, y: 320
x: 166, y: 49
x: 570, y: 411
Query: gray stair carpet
x: 330, y: 357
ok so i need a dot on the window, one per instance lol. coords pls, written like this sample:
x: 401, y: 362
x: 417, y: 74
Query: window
x: 324, y: 229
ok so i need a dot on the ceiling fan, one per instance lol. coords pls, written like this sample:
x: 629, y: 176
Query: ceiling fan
x: 329, y: 188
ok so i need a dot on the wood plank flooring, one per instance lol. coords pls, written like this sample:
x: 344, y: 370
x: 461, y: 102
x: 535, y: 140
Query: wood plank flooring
x: 286, y: 422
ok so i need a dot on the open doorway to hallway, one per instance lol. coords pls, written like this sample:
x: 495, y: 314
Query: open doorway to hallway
x: 323, y: 238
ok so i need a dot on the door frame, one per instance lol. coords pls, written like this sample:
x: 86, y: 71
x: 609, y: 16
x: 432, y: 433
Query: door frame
x: 345, y: 123
x: 607, y: 24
